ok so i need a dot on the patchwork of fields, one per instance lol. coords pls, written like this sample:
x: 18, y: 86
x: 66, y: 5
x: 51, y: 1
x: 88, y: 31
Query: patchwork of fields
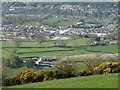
x: 34, y: 49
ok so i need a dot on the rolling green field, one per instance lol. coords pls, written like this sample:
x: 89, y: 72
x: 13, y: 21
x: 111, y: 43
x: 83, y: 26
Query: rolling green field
x: 51, y: 20
x: 35, y: 51
x: 32, y: 50
x: 71, y: 42
x: 54, y: 51
x: 31, y: 23
x: 94, y: 81
x: 57, y: 21
x: 64, y: 23
x: 78, y: 41
x: 106, y: 48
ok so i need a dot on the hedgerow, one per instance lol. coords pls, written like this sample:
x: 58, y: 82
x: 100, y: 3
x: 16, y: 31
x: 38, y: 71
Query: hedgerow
x: 61, y: 70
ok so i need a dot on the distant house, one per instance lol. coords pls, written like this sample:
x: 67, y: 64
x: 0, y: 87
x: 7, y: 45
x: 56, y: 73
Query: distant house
x: 47, y: 59
x: 114, y: 42
x: 101, y: 42
x: 31, y: 59
x: 101, y: 34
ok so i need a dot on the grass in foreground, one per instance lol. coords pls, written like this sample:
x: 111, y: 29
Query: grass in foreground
x: 95, y: 81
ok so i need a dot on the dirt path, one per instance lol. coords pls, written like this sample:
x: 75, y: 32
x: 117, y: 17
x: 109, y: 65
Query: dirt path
x: 92, y: 56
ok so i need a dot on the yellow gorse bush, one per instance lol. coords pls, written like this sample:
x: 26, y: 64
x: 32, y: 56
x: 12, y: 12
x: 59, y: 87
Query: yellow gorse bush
x: 31, y: 76
x: 108, y: 67
x: 26, y: 77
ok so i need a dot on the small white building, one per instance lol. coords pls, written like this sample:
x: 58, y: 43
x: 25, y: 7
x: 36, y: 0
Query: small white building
x: 46, y: 60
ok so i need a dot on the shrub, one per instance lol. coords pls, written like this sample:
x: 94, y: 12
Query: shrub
x: 65, y: 69
x: 12, y: 81
x: 108, y: 67
x: 49, y: 75
x: 26, y: 77
x: 31, y: 76
x: 4, y: 73
x: 92, y: 63
x: 29, y: 63
x: 85, y: 73
x: 62, y: 69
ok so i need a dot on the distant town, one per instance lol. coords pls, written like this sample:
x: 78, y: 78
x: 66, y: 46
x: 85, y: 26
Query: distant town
x: 82, y: 27
x: 59, y: 40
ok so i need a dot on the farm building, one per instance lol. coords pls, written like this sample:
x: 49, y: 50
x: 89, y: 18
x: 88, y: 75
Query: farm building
x: 47, y: 58
x: 114, y: 42
x: 61, y: 37
x: 46, y: 61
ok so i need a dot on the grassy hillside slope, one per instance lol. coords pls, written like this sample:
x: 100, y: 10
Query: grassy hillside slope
x: 95, y: 81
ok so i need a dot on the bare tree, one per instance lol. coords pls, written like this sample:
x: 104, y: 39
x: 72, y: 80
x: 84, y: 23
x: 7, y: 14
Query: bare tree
x: 18, y: 42
x: 62, y: 43
x: 65, y: 69
x: 40, y: 38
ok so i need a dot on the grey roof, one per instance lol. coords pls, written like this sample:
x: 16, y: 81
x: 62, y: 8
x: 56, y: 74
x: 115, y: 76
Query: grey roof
x: 48, y: 57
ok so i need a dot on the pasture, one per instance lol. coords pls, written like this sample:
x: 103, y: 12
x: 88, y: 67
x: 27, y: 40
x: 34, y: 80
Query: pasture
x: 57, y: 21
x: 51, y: 20
x: 64, y: 23
x: 34, y: 49
x: 31, y: 23
x: 71, y: 42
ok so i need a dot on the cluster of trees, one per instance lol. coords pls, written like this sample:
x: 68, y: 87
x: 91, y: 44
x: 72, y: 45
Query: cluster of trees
x: 102, y: 10
x: 61, y: 43
x: 13, y: 61
x: 40, y: 38
x: 54, y: 8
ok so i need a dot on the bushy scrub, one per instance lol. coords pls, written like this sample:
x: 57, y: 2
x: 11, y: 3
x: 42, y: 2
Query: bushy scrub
x: 108, y: 67
x: 49, y: 75
x: 62, y: 69
x: 85, y: 73
x: 103, y: 68
x: 26, y: 77
x: 92, y: 63
x: 65, y: 69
